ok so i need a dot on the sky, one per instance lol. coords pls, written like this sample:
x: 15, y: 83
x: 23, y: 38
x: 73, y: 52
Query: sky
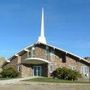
x: 67, y: 25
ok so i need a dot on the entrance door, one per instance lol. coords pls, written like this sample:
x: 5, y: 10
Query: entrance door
x: 37, y: 71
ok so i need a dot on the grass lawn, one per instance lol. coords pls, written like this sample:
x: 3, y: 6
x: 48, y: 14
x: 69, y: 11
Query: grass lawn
x: 5, y: 78
x: 51, y: 80
x: 8, y: 78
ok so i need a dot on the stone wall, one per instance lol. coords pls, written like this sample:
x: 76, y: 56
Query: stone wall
x: 26, y: 70
x: 57, y: 59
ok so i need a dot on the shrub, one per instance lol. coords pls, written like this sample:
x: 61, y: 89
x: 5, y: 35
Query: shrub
x: 66, y: 74
x: 9, y: 72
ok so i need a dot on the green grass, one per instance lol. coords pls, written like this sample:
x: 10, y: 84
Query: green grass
x: 5, y: 78
x: 51, y: 80
x: 8, y: 78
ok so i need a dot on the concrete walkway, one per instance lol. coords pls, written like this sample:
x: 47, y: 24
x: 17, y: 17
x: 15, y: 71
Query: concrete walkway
x: 14, y: 81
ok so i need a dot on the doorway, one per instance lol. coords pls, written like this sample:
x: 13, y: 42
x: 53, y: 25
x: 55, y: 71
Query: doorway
x: 37, y: 71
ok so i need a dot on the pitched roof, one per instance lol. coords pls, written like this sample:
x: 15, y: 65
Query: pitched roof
x: 56, y: 48
x: 74, y: 55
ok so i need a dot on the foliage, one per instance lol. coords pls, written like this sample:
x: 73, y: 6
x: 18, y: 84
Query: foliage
x: 9, y: 72
x: 51, y: 80
x: 66, y: 74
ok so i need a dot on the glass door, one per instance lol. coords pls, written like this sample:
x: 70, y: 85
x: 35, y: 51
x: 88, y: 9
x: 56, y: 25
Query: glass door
x: 37, y: 70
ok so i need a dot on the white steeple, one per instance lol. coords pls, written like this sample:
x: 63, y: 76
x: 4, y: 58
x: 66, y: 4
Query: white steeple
x: 42, y: 38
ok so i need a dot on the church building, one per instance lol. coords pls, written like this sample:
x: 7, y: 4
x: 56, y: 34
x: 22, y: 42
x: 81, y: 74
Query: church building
x: 41, y: 59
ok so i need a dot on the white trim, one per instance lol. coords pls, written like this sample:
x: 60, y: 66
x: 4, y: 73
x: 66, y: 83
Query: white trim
x: 26, y: 49
x: 21, y: 50
x: 54, y: 48
x: 85, y: 70
x: 38, y: 59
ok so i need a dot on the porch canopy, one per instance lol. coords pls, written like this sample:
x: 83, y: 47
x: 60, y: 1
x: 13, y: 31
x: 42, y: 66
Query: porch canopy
x: 35, y: 61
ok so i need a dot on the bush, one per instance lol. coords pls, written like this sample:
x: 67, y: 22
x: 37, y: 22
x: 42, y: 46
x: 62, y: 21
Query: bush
x: 9, y: 72
x: 66, y: 74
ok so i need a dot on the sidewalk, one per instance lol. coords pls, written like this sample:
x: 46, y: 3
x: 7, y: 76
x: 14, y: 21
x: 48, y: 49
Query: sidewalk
x: 13, y: 81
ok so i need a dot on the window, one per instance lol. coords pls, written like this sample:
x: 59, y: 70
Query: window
x: 85, y: 70
x: 47, y: 53
x: 52, y: 56
x: 29, y: 54
x: 64, y: 58
x: 72, y: 67
x: 51, y: 68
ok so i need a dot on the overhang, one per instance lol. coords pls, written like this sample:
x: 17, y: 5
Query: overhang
x: 35, y: 61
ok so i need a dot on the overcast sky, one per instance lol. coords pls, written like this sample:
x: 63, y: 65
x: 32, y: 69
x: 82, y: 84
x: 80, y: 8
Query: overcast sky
x: 67, y: 25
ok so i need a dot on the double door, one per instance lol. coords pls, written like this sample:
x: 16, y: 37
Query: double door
x: 37, y: 71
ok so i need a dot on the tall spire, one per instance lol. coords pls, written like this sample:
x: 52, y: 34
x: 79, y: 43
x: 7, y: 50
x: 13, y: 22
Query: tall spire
x: 42, y: 38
